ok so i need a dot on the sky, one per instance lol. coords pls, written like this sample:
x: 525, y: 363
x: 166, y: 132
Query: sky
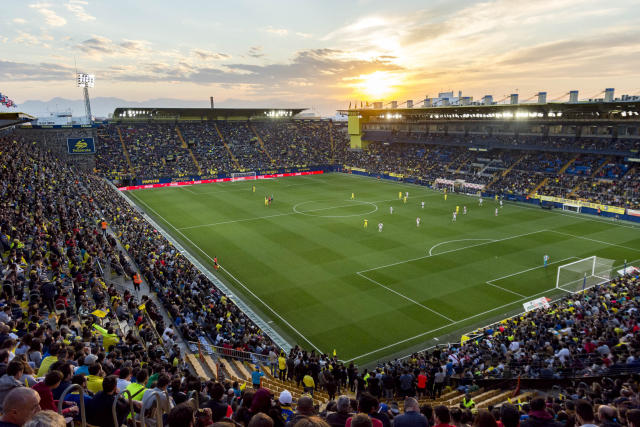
x: 321, y: 54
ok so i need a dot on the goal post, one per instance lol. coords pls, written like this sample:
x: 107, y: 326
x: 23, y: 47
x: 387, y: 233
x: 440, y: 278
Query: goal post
x: 242, y: 176
x: 584, y: 273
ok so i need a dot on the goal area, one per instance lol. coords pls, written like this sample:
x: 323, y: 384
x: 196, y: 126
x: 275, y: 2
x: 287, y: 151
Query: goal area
x: 242, y: 176
x: 582, y: 274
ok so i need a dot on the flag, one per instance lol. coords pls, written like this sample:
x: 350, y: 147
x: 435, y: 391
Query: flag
x: 100, y: 313
x: 464, y: 339
x: 142, y: 306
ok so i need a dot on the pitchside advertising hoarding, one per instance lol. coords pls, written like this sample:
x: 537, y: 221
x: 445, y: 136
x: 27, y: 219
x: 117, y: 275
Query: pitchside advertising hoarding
x: 81, y: 146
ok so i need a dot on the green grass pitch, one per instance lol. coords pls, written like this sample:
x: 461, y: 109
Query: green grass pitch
x: 368, y: 294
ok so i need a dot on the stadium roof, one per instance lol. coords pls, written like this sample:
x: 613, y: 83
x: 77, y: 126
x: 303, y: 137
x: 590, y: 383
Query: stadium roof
x: 136, y: 113
x: 586, y: 110
x: 11, y: 119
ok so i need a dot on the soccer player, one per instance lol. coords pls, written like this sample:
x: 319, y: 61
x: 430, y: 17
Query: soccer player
x: 464, y: 210
x: 496, y: 214
x: 380, y: 227
x: 454, y: 217
x: 457, y: 209
x: 399, y: 195
x: 390, y: 210
x: 422, y: 204
x: 406, y: 194
x: 545, y: 260
x: 404, y: 200
x: 266, y: 201
x: 418, y: 222
x: 500, y: 203
x: 215, y: 263
x: 353, y: 196
x: 480, y: 201
x: 366, y: 223
x: 253, y: 189
x: 445, y: 197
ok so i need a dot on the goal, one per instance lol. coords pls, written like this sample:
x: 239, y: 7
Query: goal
x: 583, y: 274
x: 243, y: 176
x: 571, y: 207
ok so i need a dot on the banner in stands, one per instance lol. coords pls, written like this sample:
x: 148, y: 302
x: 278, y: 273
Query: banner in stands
x: 216, y: 180
x: 595, y: 206
x: 536, y: 303
x: 81, y: 146
x: 633, y: 212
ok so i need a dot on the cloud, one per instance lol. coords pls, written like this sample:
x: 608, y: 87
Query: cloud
x: 77, y: 8
x: 19, y: 21
x: 206, y: 55
x: 51, y: 18
x: 277, y: 31
x: 304, y: 35
x: 34, y: 72
x: 256, y: 52
x: 98, y: 47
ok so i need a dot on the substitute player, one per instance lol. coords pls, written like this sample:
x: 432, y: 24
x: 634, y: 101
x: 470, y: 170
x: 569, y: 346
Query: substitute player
x: 545, y: 260
x: 366, y: 223
x: 380, y: 227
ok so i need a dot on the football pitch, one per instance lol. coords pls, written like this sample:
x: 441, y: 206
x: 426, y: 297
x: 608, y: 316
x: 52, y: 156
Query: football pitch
x: 324, y: 281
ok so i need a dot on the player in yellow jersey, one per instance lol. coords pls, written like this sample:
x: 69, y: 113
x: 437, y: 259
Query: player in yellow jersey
x: 399, y: 195
x: 404, y: 199
x: 266, y: 201
x: 353, y: 196
x: 457, y: 209
x: 253, y: 189
x: 445, y: 197
x: 366, y: 223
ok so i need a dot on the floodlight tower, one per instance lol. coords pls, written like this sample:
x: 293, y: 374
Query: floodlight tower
x: 86, y: 81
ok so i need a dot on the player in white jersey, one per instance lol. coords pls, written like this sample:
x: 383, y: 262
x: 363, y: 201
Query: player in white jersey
x: 455, y: 215
x: 501, y: 203
x: 391, y: 210
x: 464, y: 210
x: 422, y: 205
x: 406, y: 194
x: 545, y: 260
x: 496, y: 214
x: 380, y: 227
x: 418, y: 222
x: 480, y: 201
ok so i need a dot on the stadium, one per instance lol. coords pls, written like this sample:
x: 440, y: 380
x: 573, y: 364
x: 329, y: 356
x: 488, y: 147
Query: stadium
x: 441, y: 262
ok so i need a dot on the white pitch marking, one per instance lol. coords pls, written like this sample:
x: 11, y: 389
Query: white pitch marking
x: 451, y: 241
x: 405, y: 297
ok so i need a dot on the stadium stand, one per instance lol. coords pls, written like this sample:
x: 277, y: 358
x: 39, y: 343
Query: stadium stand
x: 72, y: 248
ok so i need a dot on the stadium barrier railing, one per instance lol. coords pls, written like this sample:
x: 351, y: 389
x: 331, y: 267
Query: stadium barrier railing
x: 230, y: 352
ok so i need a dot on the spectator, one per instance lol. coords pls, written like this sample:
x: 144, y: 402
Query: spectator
x: 412, y: 416
x: 343, y: 412
x: 19, y: 406
x: 182, y: 415
x: 46, y: 418
x: 539, y: 416
x: 11, y: 379
x: 99, y: 411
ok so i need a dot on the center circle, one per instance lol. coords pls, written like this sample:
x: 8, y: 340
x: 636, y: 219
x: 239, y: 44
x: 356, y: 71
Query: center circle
x: 320, y: 210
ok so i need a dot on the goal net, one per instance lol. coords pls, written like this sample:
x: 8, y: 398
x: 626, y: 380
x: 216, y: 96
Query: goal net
x: 585, y: 273
x: 242, y: 176
x: 571, y: 207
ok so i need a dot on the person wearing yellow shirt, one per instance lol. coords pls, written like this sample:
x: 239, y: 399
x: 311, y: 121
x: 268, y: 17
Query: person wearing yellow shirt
x: 309, y: 384
x: 109, y: 339
x: 56, y: 353
x: 282, y: 367
x: 94, y: 379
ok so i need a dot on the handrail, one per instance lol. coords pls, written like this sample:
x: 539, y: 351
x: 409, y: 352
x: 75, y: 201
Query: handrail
x: 83, y: 415
x: 230, y: 352
x: 196, y: 399
x: 159, y: 410
x: 114, y: 412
